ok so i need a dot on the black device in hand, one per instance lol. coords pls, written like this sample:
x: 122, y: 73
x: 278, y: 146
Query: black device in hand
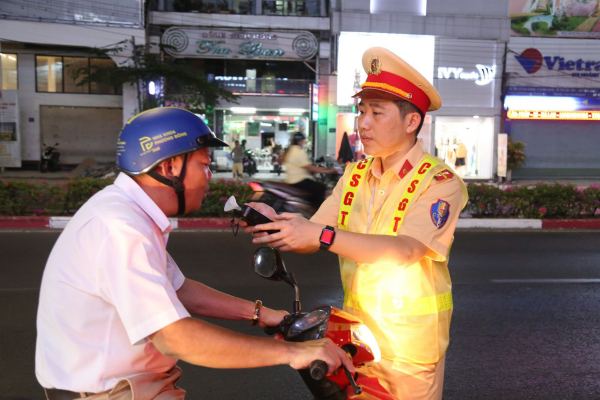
x: 254, y: 217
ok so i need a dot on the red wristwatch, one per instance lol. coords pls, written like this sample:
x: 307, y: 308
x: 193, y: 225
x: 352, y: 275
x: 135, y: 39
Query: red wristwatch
x: 326, y: 238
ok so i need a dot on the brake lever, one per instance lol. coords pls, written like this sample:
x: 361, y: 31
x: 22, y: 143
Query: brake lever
x: 357, y: 389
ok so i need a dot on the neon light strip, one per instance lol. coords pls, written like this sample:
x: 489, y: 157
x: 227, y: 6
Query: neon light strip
x: 562, y: 115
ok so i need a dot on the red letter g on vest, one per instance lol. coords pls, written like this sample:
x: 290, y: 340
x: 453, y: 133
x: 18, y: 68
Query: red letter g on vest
x: 348, y: 199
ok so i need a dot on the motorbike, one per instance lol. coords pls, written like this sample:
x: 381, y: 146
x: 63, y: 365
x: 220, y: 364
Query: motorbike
x: 345, y: 330
x: 249, y: 163
x: 283, y: 197
x: 49, y: 159
x: 276, y: 162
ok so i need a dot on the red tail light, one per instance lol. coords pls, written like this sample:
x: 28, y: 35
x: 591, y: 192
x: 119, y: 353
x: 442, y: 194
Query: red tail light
x: 256, y: 187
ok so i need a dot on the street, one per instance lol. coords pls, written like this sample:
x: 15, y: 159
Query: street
x: 525, y: 326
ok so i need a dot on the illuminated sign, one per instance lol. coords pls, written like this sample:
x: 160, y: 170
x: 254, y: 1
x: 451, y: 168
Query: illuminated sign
x: 562, y: 115
x: 484, y: 75
x: 314, y: 108
x: 532, y: 60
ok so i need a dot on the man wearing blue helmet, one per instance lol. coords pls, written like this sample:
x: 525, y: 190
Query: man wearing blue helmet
x: 115, y: 310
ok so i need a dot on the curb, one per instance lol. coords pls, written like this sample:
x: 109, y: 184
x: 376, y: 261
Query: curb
x: 224, y: 223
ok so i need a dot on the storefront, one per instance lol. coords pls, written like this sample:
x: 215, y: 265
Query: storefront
x: 270, y: 71
x: 465, y: 127
x: 553, y: 105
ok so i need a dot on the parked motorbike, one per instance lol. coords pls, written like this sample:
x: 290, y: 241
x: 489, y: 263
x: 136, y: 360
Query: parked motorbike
x: 49, y: 159
x: 345, y: 330
x: 249, y: 163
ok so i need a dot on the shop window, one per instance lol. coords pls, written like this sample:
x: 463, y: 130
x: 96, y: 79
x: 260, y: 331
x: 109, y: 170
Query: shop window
x: 55, y: 74
x: 49, y: 74
x: 71, y: 66
x: 103, y: 88
x: 9, y: 71
x: 466, y: 145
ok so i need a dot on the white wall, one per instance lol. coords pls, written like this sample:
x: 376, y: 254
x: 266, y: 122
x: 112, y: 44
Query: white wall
x: 30, y: 101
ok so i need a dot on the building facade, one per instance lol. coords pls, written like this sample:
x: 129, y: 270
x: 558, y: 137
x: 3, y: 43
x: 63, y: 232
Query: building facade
x: 457, y: 45
x: 553, y: 105
x: 266, y: 52
x: 42, y: 48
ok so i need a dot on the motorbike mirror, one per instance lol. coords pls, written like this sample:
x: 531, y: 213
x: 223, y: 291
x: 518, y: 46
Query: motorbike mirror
x: 268, y: 264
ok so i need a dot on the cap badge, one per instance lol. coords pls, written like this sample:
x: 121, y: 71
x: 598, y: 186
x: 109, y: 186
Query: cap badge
x: 375, y: 66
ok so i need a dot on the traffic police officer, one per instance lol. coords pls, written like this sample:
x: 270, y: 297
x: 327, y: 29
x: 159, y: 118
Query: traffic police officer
x: 391, y: 220
x: 114, y: 310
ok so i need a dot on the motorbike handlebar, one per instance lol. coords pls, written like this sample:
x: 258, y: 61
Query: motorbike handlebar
x: 318, y: 369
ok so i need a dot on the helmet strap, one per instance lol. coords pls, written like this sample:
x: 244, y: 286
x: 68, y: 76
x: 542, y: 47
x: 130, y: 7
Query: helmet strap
x: 176, y: 183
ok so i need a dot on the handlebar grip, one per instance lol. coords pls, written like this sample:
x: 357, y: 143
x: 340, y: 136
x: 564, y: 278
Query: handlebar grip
x: 272, y: 330
x: 318, y: 369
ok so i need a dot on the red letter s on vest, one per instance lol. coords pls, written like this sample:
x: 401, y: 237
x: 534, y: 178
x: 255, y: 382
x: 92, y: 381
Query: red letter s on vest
x: 412, y: 187
x: 355, y: 179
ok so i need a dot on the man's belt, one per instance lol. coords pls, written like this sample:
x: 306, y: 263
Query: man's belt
x: 59, y: 394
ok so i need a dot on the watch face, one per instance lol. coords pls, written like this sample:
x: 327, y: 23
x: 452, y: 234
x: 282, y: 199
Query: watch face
x: 327, y: 236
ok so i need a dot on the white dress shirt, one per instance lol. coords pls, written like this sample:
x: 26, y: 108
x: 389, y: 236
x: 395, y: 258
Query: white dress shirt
x: 108, y: 284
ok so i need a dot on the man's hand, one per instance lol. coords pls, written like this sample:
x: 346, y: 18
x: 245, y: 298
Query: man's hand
x: 322, y: 349
x: 270, y: 317
x: 295, y: 234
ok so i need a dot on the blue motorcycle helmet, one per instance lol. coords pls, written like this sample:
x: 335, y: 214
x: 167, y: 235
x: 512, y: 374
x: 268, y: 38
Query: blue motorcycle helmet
x: 157, y: 135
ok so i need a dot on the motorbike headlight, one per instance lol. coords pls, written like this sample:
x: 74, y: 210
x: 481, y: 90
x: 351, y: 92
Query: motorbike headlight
x: 363, y: 334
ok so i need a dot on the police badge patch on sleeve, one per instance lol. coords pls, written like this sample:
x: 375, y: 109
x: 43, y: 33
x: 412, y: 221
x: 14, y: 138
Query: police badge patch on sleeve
x: 440, y: 211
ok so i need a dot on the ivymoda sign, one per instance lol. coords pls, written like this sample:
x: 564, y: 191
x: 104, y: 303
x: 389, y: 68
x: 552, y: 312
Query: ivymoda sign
x: 193, y: 42
x: 483, y: 76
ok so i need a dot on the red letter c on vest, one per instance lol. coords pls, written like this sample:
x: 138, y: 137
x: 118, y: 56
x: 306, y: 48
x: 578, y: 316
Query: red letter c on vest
x: 424, y: 168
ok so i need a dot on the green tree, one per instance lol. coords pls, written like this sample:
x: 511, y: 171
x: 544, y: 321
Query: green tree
x: 515, y: 154
x: 180, y: 84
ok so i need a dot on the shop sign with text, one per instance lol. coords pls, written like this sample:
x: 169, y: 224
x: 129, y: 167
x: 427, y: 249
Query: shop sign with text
x: 553, y: 63
x: 202, y: 43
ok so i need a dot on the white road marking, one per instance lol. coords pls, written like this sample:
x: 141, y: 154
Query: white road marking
x: 546, y: 280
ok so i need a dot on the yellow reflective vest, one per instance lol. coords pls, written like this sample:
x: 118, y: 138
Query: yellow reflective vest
x: 407, y: 309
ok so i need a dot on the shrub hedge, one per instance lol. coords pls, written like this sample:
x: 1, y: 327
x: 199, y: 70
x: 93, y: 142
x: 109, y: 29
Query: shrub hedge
x: 535, y: 201
x: 19, y: 198
x: 485, y: 201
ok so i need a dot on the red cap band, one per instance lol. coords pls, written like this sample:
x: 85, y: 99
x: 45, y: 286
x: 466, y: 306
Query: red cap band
x: 394, y: 84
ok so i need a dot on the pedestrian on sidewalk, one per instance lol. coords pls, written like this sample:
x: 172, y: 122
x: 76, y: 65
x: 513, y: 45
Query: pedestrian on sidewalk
x: 237, y: 155
x: 114, y: 311
x: 391, y: 219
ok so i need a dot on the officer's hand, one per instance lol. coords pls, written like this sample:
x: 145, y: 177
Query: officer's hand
x: 264, y: 209
x: 295, y: 234
x: 322, y: 349
x: 270, y: 317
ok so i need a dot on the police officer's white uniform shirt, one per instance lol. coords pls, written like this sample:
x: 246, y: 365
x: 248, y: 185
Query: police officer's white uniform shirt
x: 108, y: 284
